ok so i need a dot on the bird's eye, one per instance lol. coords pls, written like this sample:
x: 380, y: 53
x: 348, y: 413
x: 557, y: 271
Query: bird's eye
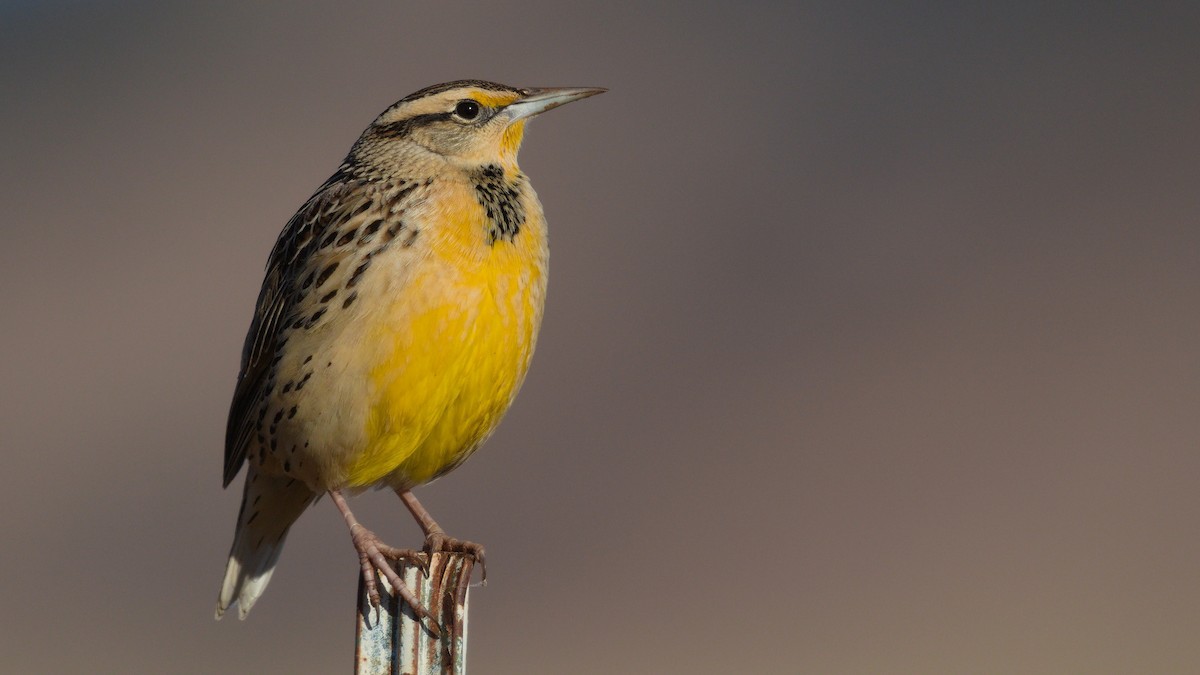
x: 467, y: 110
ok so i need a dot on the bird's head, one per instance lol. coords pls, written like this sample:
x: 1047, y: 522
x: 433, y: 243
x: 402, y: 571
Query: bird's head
x: 469, y: 122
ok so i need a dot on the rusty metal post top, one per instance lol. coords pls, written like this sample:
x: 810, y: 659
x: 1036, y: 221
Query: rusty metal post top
x: 394, y: 640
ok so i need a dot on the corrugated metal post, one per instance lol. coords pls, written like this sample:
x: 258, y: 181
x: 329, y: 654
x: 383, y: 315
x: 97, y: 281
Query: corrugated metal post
x: 393, y: 641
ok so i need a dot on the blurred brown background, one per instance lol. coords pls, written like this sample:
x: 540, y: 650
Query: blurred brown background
x: 871, y: 344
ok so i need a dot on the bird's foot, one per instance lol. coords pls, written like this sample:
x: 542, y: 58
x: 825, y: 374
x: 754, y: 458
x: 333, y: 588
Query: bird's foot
x: 436, y: 541
x: 376, y: 556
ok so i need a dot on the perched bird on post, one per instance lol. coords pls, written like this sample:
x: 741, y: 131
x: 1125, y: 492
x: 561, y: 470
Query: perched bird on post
x: 395, y: 325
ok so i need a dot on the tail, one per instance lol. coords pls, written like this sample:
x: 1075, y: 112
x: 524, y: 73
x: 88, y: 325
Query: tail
x: 270, y: 504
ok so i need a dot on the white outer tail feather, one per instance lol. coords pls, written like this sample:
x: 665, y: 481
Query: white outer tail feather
x: 270, y: 504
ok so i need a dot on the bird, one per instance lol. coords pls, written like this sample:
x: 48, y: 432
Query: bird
x: 396, y: 322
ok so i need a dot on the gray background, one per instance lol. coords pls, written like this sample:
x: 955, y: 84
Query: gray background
x: 870, y: 347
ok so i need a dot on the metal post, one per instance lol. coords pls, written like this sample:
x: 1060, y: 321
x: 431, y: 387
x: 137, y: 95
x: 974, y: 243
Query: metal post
x: 393, y: 641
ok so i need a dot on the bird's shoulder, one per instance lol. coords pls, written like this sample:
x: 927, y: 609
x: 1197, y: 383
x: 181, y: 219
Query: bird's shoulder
x: 348, y: 211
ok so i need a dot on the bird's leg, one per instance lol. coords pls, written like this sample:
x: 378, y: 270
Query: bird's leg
x: 436, y: 538
x: 373, y: 555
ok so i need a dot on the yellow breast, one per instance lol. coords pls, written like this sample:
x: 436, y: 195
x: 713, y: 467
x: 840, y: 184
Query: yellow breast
x: 457, y: 339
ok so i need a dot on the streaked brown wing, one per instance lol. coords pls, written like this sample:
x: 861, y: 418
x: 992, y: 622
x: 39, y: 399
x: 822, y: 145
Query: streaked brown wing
x: 340, y: 199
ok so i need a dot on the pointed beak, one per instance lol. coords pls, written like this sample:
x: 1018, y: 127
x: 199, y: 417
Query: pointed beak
x: 537, y: 101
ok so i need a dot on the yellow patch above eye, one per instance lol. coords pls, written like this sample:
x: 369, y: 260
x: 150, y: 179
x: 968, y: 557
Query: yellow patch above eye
x: 493, y: 99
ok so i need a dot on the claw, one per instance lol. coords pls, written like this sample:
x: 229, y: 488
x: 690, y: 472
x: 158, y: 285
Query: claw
x: 374, y: 557
x: 437, y: 541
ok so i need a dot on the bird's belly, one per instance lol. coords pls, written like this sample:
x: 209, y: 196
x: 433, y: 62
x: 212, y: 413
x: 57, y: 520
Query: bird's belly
x: 450, y: 354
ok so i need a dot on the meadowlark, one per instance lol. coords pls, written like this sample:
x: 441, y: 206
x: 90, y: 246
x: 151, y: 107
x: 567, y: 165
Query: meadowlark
x: 395, y: 325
